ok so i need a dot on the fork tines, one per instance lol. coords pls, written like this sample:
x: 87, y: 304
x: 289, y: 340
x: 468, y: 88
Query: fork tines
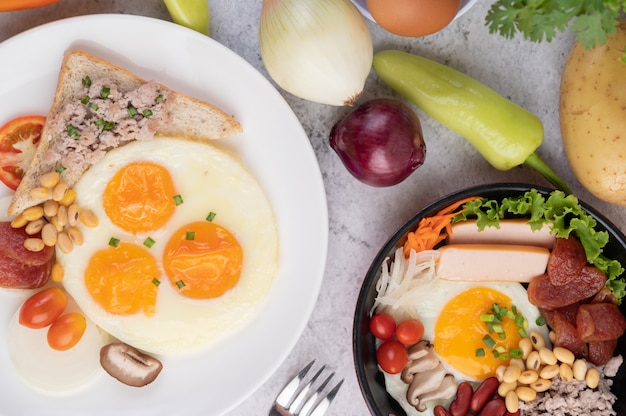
x: 307, y: 396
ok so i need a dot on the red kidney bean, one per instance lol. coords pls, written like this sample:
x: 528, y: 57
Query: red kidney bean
x: 440, y: 411
x: 518, y: 413
x: 494, y: 407
x: 484, y: 392
x: 461, y: 403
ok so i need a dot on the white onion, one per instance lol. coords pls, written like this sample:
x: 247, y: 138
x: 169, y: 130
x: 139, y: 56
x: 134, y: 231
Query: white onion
x: 318, y: 50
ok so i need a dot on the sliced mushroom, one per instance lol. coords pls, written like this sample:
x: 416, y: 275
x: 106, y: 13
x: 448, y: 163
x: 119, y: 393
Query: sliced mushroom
x: 423, y: 383
x: 422, y: 358
x: 446, y: 389
x: 128, y: 365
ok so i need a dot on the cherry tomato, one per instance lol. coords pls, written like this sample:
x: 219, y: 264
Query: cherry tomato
x: 18, y: 143
x: 383, y: 326
x: 66, y: 331
x: 410, y: 332
x: 43, y: 308
x: 392, y: 356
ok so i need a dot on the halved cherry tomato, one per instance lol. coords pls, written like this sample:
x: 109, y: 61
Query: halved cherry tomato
x: 18, y: 143
x: 392, y: 356
x: 410, y: 331
x: 383, y: 326
x: 43, y: 308
x: 66, y: 331
x: 11, y: 5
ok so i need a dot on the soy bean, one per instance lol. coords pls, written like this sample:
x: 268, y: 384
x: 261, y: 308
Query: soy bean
x: 564, y: 355
x: 34, y: 227
x: 511, y: 402
x: 64, y: 243
x: 49, y: 234
x: 57, y: 272
x: 59, y: 191
x: 592, y: 378
x: 579, y: 369
x: 528, y: 377
x: 50, y: 179
x: 33, y: 213
x: 549, y: 371
x: 33, y: 244
x: 50, y: 208
x: 40, y: 193
x: 547, y: 356
x: 526, y: 394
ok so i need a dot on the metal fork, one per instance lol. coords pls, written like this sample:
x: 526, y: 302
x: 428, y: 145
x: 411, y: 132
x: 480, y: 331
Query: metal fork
x: 298, y: 399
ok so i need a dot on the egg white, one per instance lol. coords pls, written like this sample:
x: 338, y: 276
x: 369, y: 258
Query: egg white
x: 52, y: 372
x: 208, y: 179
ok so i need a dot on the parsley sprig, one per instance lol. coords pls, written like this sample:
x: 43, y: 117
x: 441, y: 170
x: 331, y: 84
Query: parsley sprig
x: 539, y: 20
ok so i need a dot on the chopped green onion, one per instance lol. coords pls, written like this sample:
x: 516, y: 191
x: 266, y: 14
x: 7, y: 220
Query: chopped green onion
x: 180, y: 284
x: 489, y: 342
x: 114, y: 242
x: 501, y: 349
x: 72, y: 131
x: 519, y: 320
x: 516, y: 353
x: 480, y: 352
x: 85, y: 99
x: 541, y: 321
x: 159, y: 98
x: 489, y: 327
x: 211, y: 216
x: 105, y: 125
x: 156, y: 281
x: 495, y: 353
x: 511, y: 314
x: 503, y: 357
x: 149, y: 242
x: 178, y: 199
x: 104, y: 92
x: 60, y: 169
x: 487, y: 317
x: 94, y: 107
x: 190, y: 235
x: 132, y: 111
x: 498, y: 329
x: 502, y: 335
x: 522, y: 332
x: 147, y: 113
x: 86, y: 81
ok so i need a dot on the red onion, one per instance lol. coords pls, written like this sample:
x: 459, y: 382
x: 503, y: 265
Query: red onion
x: 380, y: 142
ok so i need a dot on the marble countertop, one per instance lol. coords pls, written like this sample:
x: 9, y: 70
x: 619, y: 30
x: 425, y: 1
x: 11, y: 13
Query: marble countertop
x: 362, y: 218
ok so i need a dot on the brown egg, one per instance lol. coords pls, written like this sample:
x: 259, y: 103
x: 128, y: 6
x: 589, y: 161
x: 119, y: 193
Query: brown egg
x: 413, y: 17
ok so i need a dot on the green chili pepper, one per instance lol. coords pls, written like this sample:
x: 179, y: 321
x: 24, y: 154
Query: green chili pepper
x: 505, y: 134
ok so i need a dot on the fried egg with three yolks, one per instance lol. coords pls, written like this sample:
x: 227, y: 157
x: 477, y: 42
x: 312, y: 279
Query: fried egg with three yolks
x: 185, y: 250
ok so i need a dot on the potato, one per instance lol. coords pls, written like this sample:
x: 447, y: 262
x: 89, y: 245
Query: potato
x: 593, y: 116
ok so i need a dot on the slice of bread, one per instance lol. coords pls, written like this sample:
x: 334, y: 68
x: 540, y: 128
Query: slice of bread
x: 189, y: 118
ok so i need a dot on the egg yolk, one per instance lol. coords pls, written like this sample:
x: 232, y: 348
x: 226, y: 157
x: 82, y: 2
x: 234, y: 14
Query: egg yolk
x: 203, y: 260
x: 459, y: 332
x: 123, y: 279
x: 140, y: 197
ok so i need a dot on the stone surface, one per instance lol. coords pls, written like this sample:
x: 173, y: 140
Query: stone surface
x: 362, y: 218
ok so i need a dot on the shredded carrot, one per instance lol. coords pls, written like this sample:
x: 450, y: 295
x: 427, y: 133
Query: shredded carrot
x: 434, y: 229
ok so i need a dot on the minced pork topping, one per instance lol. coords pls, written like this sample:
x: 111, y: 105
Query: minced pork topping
x: 101, y: 117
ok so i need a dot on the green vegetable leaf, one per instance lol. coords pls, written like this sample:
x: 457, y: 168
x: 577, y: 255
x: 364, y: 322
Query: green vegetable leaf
x: 564, y: 214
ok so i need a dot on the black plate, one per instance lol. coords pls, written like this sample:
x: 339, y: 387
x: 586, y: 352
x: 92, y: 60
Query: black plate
x: 371, y: 379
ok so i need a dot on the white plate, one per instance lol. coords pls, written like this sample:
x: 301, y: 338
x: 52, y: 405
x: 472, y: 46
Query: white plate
x: 275, y: 149
x: 362, y: 6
